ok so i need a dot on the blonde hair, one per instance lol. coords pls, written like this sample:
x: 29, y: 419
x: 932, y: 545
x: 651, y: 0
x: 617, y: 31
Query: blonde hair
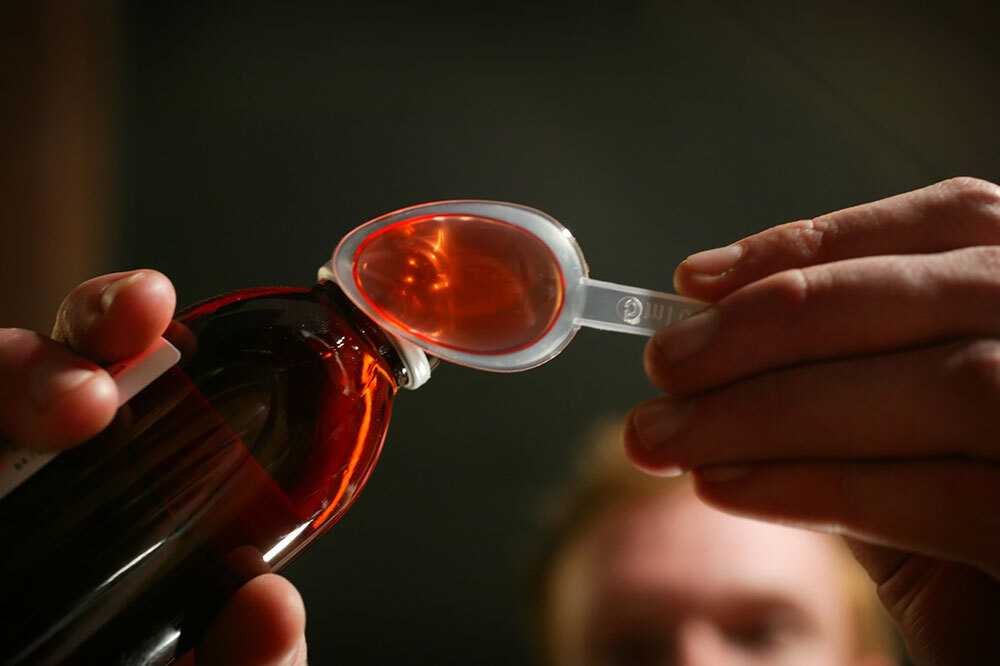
x: 604, y: 478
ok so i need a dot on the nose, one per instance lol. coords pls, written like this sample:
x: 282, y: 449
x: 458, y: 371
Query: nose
x: 699, y: 643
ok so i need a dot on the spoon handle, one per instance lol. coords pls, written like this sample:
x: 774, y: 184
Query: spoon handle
x: 615, y: 307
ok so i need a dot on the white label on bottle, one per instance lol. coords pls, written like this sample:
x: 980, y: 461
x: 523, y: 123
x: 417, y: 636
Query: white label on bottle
x: 131, y: 375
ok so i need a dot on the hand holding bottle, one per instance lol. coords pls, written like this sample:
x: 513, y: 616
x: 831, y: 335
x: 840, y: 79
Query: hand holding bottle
x: 846, y: 379
x: 55, y: 395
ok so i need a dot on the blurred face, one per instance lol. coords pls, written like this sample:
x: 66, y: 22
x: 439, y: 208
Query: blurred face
x: 671, y: 581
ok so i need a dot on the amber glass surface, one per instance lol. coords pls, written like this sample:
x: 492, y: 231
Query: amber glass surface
x: 121, y: 550
x: 464, y: 282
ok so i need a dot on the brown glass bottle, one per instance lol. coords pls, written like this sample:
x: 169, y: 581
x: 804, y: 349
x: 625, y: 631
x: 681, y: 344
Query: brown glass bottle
x: 120, y: 551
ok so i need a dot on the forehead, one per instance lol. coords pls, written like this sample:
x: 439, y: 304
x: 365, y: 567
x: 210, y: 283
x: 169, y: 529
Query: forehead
x: 674, y: 543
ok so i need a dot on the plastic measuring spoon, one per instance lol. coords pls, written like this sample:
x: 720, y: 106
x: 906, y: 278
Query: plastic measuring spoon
x: 487, y: 284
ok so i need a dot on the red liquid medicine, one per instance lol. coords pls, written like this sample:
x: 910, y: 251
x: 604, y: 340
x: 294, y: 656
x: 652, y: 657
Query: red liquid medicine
x: 122, y: 550
x: 468, y: 283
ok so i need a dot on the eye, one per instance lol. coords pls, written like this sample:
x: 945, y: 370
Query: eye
x: 758, y: 636
x: 762, y: 633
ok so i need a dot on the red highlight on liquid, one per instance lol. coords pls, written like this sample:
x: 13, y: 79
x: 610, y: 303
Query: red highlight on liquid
x: 469, y: 283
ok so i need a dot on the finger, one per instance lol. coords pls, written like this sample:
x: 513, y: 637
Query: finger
x: 263, y: 624
x: 117, y: 315
x: 50, y: 398
x: 943, y: 508
x: 956, y: 213
x: 932, y: 401
x: 859, y: 306
x: 944, y: 610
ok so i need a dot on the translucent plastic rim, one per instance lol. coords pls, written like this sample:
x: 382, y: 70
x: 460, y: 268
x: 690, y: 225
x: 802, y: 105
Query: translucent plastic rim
x: 548, y: 230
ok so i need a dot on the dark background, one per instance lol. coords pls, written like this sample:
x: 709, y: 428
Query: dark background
x: 252, y: 136
x: 256, y: 136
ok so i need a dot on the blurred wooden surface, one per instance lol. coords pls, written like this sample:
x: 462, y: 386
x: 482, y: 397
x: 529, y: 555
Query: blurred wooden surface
x: 56, y: 160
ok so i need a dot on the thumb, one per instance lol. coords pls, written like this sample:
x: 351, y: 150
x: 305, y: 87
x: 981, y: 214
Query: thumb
x: 944, y: 610
x: 263, y: 624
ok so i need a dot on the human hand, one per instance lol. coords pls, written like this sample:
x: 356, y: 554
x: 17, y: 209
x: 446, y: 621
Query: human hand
x: 53, y: 395
x: 847, y: 378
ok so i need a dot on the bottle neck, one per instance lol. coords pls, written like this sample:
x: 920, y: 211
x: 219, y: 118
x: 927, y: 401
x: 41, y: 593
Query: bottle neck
x: 409, y: 364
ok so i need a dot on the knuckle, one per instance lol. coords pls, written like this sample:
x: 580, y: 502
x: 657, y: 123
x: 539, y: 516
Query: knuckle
x: 977, y: 368
x: 807, y: 238
x: 968, y: 187
x: 791, y: 289
x: 8, y: 335
x: 974, y: 195
x: 971, y: 487
x: 15, y: 345
x: 988, y: 259
x: 13, y: 339
x: 973, y: 381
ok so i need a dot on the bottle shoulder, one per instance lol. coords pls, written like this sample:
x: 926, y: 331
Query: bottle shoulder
x: 320, y: 318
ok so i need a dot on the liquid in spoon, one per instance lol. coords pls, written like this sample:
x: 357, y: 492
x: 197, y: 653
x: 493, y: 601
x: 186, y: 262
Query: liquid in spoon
x: 465, y: 282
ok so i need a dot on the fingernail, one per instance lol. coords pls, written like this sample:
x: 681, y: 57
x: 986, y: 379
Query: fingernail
x: 294, y: 653
x: 659, y: 421
x: 682, y: 340
x: 713, y: 263
x: 111, y: 291
x: 725, y: 473
x: 667, y: 472
x: 51, y: 379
